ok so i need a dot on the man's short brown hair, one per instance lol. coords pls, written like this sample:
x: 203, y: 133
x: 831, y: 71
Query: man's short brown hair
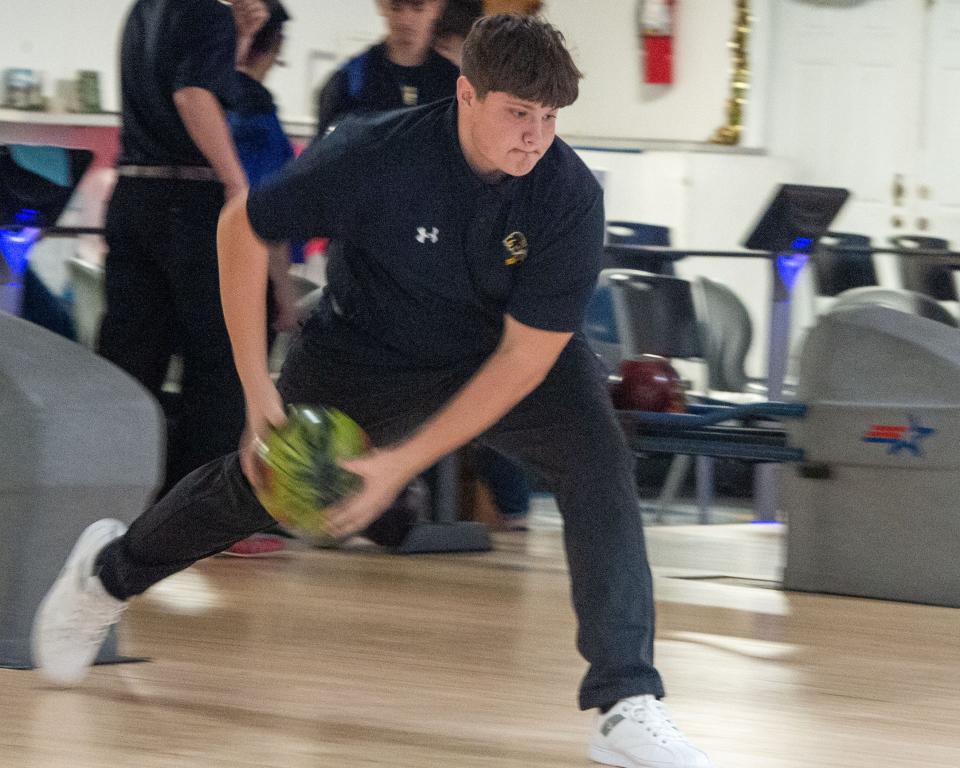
x: 523, y: 56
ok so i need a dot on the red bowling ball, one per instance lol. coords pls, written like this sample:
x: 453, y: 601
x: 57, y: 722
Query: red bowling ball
x: 649, y: 383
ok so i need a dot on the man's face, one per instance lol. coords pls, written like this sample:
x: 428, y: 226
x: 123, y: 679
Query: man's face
x: 410, y: 22
x: 503, y: 133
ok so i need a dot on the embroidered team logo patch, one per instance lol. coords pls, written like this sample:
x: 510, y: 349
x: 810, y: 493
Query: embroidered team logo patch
x: 516, y: 245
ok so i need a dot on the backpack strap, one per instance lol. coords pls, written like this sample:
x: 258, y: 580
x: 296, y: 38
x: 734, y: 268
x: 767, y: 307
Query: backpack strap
x: 356, y: 71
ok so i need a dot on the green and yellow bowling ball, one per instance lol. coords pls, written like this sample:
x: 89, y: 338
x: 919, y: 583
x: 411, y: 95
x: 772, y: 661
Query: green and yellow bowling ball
x: 299, y: 466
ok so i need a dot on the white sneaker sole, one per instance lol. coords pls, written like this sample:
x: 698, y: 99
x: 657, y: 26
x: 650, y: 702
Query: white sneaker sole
x: 606, y: 756
x: 609, y: 757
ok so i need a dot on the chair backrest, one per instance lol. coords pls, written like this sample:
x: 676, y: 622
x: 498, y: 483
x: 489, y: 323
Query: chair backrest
x: 834, y: 273
x: 600, y: 326
x: 635, y: 233
x: 655, y: 314
x: 89, y: 299
x: 621, y: 240
x: 911, y: 302
x: 726, y: 332
x: 922, y: 275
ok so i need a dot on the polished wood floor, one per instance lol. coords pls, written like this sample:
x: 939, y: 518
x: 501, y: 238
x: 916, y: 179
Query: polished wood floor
x: 355, y: 658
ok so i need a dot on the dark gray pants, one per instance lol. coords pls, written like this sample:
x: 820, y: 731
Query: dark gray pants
x: 565, y: 432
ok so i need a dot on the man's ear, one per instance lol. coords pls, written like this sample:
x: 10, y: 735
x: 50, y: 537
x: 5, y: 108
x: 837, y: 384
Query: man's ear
x: 466, y: 93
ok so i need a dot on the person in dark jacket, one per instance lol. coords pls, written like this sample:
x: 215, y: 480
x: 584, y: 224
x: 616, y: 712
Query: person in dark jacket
x: 401, y: 71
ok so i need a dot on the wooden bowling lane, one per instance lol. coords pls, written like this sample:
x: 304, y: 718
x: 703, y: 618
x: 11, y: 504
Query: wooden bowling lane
x: 360, y: 659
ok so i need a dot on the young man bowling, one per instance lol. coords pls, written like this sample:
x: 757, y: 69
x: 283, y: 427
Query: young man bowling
x: 473, y: 240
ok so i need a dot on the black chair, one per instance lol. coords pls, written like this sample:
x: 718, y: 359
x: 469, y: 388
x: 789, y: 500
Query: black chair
x: 635, y: 233
x: 922, y: 275
x: 655, y: 314
x: 623, y: 240
x: 600, y: 326
x: 835, y: 272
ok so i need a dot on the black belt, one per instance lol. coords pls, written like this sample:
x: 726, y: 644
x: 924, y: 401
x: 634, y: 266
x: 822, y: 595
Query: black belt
x: 179, y: 172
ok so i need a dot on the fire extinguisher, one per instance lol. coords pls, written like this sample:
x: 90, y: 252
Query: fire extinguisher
x: 656, y: 20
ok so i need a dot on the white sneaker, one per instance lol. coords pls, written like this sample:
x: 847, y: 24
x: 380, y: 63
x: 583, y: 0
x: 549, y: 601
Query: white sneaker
x: 75, y: 615
x: 638, y: 733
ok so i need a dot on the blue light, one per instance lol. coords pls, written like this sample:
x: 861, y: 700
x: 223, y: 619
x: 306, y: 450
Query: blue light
x: 789, y: 266
x: 26, y: 216
x: 15, y: 244
x: 801, y: 244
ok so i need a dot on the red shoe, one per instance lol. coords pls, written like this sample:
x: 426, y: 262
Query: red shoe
x: 257, y: 545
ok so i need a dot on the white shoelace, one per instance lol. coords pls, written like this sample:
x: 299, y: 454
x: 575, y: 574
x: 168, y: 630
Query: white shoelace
x: 652, y: 714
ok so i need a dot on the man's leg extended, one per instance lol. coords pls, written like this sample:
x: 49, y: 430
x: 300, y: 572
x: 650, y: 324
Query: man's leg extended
x: 566, y: 432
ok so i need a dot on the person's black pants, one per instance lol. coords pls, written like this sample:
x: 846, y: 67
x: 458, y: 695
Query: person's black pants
x: 564, y: 432
x: 163, y: 296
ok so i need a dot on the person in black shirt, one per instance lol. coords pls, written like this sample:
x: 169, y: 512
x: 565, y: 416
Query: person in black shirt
x: 473, y: 240
x: 401, y: 71
x: 177, y: 165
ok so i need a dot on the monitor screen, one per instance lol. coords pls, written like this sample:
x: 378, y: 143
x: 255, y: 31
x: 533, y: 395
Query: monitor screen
x: 796, y: 218
x: 36, y: 182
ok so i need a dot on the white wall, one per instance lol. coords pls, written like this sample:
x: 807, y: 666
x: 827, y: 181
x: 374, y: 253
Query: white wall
x: 337, y: 28
x: 614, y: 102
x: 601, y: 33
x: 62, y: 38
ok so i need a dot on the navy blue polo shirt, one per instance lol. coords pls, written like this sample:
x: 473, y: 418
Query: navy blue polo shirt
x: 168, y: 45
x: 433, y: 257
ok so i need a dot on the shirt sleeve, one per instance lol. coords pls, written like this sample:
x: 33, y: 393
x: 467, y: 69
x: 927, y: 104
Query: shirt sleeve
x: 331, y: 102
x: 316, y: 195
x: 207, y: 59
x: 558, y: 277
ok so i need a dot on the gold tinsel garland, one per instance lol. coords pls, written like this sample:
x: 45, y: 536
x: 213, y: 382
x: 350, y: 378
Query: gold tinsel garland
x: 739, y: 78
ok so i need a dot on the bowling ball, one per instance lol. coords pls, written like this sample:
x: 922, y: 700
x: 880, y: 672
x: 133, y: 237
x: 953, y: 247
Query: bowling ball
x: 649, y: 383
x: 300, y: 470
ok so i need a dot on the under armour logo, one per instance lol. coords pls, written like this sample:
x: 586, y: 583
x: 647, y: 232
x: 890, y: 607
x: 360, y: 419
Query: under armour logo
x: 422, y: 235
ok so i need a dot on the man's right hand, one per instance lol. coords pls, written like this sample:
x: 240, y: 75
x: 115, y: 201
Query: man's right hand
x: 264, y: 412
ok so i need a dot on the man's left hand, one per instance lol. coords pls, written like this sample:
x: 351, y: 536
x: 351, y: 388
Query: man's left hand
x: 384, y: 477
